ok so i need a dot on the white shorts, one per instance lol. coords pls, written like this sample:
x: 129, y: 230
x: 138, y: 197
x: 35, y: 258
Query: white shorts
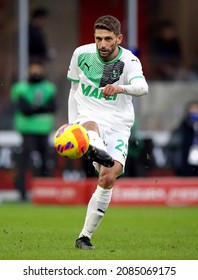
x: 116, y: 143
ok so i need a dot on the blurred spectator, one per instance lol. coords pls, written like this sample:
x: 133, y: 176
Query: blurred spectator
x: 38, y: 47
x: 165, y: 50
x: 34, y: 119
x: 183, y: 146
x: 187, y: 73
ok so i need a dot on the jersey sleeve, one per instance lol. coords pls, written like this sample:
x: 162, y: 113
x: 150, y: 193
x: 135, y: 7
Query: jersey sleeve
x: 134, y: 69
x: 73, y: 71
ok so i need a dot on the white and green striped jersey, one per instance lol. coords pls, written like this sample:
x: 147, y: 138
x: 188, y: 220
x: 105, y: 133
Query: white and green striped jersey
x: 93, y: 74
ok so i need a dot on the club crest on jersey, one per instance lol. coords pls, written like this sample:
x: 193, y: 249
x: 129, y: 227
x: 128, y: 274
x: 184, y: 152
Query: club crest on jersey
x: 115, y: 74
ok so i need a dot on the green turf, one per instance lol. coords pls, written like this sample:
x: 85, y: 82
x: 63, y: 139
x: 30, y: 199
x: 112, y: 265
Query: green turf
x: 48, y: 233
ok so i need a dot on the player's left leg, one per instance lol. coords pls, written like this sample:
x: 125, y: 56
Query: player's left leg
x: 97, y: 152
x: 98, y: 204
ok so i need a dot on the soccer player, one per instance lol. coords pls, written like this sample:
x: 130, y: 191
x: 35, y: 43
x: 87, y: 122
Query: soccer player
x: 104, y: 76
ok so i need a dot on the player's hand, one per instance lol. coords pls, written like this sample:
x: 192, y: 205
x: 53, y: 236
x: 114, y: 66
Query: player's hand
x: 111, y: 90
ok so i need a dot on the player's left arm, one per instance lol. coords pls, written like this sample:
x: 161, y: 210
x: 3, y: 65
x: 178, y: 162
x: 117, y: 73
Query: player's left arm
x: 136, y: 85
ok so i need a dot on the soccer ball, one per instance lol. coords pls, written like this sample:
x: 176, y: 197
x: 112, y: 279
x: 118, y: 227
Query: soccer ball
x: 71, y: 141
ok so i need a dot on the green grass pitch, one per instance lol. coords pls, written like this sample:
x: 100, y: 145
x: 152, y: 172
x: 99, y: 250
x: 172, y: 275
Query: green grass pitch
x: 30, y: 232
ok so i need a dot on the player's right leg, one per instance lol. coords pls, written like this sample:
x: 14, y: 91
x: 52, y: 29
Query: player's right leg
x: 98, y: 205
x: 84, y: 243
x: 99, y: 202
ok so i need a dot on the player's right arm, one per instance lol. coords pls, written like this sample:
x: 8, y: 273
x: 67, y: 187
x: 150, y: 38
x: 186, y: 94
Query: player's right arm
x: 73, y: 77
x: 72, y: 105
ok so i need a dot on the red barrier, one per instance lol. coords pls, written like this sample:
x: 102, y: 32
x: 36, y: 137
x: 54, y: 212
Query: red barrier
x: 56, y: 191
x: 126, y: 192
x: 162, y: 191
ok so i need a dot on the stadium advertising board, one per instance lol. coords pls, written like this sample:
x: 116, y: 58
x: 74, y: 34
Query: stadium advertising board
x: 127, y: 192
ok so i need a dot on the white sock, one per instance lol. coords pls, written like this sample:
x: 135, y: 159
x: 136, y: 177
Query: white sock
x: 96, y: 209
x: 96, y: 140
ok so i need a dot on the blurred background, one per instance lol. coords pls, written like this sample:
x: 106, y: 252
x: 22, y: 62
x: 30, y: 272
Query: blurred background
x: 162, y: 33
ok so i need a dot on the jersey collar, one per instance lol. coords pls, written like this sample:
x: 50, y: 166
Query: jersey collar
x: 112, y: 61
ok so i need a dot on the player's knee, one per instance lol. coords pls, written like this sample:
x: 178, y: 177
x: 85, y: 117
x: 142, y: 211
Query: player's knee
x: 91, y: 125
x: 106, y: 179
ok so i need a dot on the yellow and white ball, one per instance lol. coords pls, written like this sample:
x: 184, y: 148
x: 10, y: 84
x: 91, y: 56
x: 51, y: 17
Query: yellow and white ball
x: 71, y: 141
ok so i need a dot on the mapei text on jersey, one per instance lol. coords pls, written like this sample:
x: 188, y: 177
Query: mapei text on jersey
x: 95, y: 92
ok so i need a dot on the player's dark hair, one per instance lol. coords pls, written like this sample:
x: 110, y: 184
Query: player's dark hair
x: 109, y: 23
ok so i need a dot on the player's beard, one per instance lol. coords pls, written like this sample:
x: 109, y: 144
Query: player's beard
x: 107, y: 54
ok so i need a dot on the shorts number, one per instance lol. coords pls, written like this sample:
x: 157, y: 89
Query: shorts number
x: 122, y: 147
